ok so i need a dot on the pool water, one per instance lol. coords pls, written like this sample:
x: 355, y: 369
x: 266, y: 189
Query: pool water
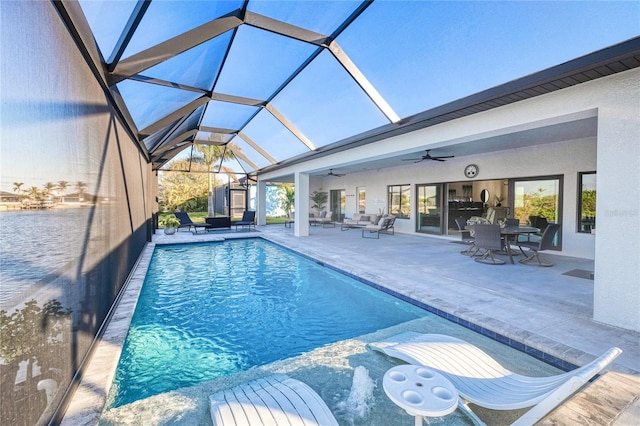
x: 210, y: 310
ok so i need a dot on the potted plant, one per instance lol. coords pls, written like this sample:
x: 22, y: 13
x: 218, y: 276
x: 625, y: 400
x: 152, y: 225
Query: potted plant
x: 319, y: 199
x: 170, y: 224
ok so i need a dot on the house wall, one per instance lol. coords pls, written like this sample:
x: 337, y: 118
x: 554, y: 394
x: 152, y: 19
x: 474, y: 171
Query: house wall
x: 564, y: 158
x: 62, y: 268
x: 614, y: 152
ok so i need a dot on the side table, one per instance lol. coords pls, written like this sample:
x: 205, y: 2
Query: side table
x: 420, y: 391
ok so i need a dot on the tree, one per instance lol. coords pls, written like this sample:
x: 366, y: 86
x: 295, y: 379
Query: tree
x: 211, y: 154
x: 538, y: 204
x: 61, y: 187
x: 288, y: 194
x: 81, y: 186
x: 17, y: 187
x: 34, y: 193
x: 184, y: 190
x: 48, y: 187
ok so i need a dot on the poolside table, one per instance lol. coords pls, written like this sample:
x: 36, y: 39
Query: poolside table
x: 420, y: 391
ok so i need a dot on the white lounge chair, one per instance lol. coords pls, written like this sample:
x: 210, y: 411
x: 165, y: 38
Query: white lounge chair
x: 481, y: 380
x: 274, y: 400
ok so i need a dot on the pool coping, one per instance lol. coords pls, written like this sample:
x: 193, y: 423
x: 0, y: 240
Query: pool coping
x: 90, y: 398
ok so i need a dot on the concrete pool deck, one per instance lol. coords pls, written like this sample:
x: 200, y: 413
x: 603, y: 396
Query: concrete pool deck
x: 540, y: 308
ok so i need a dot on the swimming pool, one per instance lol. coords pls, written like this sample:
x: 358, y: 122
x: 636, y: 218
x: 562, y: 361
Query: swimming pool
x: 210, y: 310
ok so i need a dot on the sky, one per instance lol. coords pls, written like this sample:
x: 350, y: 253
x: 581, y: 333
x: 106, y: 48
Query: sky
x: 417, y: 54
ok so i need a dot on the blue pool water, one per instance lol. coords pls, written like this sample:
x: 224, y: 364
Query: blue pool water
x: 210, y: 310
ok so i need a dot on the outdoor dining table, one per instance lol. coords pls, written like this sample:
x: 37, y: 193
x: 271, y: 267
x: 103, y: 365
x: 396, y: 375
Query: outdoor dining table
x: 514, y: 231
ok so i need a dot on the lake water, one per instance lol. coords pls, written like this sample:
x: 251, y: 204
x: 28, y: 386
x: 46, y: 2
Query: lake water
x: 36, y: 246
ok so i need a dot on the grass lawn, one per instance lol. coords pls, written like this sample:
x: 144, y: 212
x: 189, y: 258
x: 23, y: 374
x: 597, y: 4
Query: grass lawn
x: 198, y: 217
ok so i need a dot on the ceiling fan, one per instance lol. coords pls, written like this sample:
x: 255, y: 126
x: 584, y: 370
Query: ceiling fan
x: 334, y: 174
x: 428, y: 156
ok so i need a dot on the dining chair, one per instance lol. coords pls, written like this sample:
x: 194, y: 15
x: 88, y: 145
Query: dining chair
x: 466, y: 237
x: 545, y: 243
x: 488, y: 238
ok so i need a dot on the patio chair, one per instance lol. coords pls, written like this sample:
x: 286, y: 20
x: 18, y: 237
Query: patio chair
x: 290, y: 220
x: 488, y: 237
x: 325, y: 218
x: 248, y: 219
x: 274, y: 400
x: 186, y: 222
x: 481, y: 380
x: 313, y: 220
x: 384, y: 226
x: 465, y: 236
x: 545, y: 243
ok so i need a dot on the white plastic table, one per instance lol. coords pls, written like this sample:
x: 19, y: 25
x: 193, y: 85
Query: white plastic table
x: 420, y: 391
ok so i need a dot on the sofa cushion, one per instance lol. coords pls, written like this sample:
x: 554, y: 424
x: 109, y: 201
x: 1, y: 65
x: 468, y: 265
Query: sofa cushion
x: 363, y: 218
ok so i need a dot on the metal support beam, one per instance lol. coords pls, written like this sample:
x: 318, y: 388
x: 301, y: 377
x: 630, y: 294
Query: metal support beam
x: 128, y: 31
x: 218, y: 130
x: 238, y: 153
x: 287, y: 30
x: 165, y: 83
x: 362, y: 81
x: 257, y: 147
x: 173, y: 142
x: 289, y: 125
x: 180, y: 112
x: 174, y: 46
x: 238, y: 100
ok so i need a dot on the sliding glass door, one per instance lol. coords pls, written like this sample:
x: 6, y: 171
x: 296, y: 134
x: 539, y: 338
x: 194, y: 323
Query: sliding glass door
x: 337, y: 198
x: 538, y: 198
x: 429, y: 205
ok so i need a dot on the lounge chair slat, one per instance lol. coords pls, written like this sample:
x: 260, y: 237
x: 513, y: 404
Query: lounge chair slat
x: 276, y: 400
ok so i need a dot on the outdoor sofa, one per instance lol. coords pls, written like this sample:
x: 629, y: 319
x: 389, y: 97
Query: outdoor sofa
x: 360, y: 220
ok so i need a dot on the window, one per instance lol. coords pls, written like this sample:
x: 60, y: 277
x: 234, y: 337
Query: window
x: 539, y: 198
x: 362, y: 192
x: 399, y: 201
x: 586, y: 201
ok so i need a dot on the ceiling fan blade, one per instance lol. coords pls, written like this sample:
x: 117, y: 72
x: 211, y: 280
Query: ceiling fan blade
x: 445, y: 156
x: 437, y: 159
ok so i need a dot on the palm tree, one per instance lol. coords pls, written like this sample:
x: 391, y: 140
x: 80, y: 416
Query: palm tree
x: 288, y: 193
x: 212, y: 154
x: 17, y: 187
x: 48, y: 187
x: 34, y: 193
x: 80, y: 186
x: 62, y: 188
